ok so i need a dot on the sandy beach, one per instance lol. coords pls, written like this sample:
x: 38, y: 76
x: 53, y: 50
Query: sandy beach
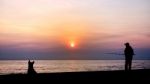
x: 142, y: 75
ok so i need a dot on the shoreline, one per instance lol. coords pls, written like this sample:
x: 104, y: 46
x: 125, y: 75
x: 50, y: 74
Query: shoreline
x: 133, y: 75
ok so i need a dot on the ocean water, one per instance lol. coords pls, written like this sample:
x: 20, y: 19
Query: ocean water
x: 51, y: 66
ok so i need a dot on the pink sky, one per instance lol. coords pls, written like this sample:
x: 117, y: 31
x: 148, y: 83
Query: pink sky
x: 50, y: 23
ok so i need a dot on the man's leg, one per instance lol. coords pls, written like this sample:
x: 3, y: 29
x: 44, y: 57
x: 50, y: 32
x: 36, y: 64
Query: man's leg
x: 130, y: 64
x: 126, y: 65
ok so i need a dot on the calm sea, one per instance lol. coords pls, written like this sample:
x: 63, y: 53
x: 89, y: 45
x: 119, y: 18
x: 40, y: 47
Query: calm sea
x: 51, y: 66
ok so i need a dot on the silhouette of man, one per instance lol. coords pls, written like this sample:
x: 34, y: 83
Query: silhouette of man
x: 30, y: 68
x: 129, y: 52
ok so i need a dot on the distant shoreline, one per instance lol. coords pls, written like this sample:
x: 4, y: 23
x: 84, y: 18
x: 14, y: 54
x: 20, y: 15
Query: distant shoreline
x: 64, y: 59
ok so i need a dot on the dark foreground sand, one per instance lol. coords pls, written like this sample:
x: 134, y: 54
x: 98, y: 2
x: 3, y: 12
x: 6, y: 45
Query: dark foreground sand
x: 95, y: 76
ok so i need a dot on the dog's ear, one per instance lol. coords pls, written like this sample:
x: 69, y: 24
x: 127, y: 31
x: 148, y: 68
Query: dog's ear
x: 33, y: 62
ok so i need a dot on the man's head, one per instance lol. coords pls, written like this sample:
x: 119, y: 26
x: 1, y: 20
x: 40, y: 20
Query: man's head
x: 127, y: 44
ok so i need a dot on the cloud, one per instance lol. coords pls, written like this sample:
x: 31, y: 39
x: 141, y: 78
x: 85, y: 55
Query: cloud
x: 148, y: 35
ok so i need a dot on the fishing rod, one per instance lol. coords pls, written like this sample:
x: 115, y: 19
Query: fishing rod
x: 116, y: 53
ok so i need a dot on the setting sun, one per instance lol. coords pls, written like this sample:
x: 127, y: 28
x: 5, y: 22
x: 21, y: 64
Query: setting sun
x: 72, y: 44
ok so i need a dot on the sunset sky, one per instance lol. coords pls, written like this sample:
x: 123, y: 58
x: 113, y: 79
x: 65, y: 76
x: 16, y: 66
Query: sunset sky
x: 73, y: 29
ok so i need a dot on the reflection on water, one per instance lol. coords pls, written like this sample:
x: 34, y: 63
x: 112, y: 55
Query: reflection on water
x: 50, y: 66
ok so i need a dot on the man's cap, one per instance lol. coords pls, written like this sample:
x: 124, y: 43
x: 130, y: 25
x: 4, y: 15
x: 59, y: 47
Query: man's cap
x: 126, y: 43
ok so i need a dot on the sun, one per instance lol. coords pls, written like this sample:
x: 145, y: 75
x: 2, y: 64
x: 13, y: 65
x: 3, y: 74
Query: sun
x: 72, y: 44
